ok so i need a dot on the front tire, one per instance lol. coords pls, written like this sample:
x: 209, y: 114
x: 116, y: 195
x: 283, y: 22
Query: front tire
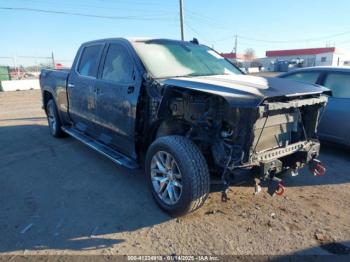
x: 53, y: 119
x: 177, y: 174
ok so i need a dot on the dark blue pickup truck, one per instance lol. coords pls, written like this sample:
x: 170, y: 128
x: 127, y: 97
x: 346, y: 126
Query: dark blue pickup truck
x: 184, y: 114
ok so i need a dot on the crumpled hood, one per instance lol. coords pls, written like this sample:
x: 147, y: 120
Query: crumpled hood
x: 244, y: 90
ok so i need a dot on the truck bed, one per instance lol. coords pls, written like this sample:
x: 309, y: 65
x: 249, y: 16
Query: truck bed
x: 53, y: 84
x: 51, y: 79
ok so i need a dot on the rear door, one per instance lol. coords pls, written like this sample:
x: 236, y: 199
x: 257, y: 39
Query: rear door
x: 335, y: 123
x: 81, y: 90
x: 117, y: 90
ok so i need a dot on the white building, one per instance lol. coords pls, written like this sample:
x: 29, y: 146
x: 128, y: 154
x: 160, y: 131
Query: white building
x: 327, y: 56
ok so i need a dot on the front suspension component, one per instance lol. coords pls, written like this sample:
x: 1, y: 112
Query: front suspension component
x: 275, y: 186
x: 317, y: 168
x: 280, y: 189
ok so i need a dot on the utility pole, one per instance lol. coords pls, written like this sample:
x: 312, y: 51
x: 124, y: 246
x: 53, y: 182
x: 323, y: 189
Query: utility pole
x: 236, y: 44
x: 16, y: 66
x: 53, y: 60
x: 182, y: 20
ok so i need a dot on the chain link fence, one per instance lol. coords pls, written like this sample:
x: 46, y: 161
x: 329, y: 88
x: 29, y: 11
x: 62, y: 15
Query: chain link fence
x: 29, y: 67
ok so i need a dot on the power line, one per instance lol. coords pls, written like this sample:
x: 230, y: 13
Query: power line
x: 31, y: 57
x: 137, y: 18
x: 316, y: 39
x: 207, y: 20
x: 93, y: 7
x: 113, y: 2
x: 197, y: 33
x: 202, y: 20
x: 211, y: 22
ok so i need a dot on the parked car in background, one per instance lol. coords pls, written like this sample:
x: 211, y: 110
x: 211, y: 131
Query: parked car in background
x: 335, y: 121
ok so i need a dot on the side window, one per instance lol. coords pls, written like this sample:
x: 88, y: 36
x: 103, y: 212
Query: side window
x: 339, y: 84
x: 308, y: 77
x: 89, y: 60
x: 118, y: 66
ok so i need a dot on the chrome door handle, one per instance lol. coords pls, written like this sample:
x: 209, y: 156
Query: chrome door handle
x: 71, y: 85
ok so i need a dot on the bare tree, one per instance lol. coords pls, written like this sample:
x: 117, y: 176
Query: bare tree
x: 249, y: 54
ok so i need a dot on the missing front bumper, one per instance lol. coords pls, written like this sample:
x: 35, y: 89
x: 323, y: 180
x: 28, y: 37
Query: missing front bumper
x: 305, y: 150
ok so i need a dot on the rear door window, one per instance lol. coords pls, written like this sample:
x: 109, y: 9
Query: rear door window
x: 308, y: 77
x: 89, y: 60
x: 118, y: 66
x: 339, y: 84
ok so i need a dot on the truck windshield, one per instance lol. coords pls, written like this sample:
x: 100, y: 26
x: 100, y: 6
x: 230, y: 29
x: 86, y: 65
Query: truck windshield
x: 164, y: 59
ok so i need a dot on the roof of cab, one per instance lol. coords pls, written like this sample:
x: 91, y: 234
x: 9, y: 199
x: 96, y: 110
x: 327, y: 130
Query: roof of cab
x: 132, y: 40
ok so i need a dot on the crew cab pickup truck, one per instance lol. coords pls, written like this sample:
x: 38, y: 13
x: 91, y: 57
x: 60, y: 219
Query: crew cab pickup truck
x: 184, y: 114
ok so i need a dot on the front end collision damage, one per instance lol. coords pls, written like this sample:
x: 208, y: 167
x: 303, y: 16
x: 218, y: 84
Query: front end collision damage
x: 266, y: 137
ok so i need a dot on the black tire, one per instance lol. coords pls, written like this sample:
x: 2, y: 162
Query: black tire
x: 53, y: 119
x: 193, y: 169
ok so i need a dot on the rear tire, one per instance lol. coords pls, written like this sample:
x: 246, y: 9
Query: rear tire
x: 177, y: 174
x: 53, y: 119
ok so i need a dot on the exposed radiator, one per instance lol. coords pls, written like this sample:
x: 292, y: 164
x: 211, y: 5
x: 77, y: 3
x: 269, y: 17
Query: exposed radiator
x: 274, y: 131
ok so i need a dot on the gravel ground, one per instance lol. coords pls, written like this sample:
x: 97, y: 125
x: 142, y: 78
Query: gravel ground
x: 57, y: 196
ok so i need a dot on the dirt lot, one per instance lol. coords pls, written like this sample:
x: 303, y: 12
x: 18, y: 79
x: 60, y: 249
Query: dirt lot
x: 60, y: 197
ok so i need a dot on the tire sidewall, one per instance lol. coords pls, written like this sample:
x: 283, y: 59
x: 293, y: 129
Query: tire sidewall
x: 52, y: 106
x: 184, y: 165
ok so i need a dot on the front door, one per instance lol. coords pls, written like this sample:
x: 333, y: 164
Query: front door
x: 335, y: 122
x: 81, y: 89
x: 117, y: 91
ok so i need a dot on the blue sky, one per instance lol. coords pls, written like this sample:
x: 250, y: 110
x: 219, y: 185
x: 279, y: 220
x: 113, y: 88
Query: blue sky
x: 260, y: 24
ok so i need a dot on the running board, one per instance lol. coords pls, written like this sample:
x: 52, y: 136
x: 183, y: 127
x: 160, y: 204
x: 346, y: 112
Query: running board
x: 113, y: 155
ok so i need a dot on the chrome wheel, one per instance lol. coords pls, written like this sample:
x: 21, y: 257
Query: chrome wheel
x: 51, y: 118
x: 166, y: 177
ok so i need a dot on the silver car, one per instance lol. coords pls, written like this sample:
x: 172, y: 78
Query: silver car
x: 335, y: 122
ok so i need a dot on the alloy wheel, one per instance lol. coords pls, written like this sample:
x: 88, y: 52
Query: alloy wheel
x: 51, y: 118
x: 166, y: 177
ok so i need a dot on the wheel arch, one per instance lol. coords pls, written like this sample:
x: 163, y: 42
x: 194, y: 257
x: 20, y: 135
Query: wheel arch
x: 47, y: 96
x: 166, y: 127
x: 180, y: 112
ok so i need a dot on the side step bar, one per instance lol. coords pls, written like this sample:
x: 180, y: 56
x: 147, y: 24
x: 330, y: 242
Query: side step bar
x: 113, y: 155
